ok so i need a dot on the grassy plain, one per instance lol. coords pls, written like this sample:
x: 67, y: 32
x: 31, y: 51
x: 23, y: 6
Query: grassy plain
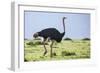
x: 67, y: 49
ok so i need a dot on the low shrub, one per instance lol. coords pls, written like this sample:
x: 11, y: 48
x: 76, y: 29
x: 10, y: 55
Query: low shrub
x: 65, y: 53
x: 35, y: 43
x: 54, y: 54
x: 25, y: 60
x: 68, y: 39
x: 30, y: 43
x: 40, y: 43
x: 86, y: 39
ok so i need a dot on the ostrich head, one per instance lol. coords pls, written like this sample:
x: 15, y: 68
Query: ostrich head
x: 64, y: 17
x: 35, y: 35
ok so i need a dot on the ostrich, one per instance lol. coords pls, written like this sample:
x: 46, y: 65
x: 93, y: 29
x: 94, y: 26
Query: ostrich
x: 53, y: 34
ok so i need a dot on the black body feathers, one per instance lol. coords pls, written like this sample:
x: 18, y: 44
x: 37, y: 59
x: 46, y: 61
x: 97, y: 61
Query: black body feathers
x: 51, y: 33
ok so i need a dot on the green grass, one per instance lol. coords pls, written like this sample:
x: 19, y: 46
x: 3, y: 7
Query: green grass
x: 76, y: 49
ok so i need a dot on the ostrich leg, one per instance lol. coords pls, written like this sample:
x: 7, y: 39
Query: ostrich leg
x: 51, y: 48
x: 44, y: 48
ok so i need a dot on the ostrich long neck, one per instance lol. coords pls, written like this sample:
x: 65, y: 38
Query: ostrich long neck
x: 62, y: 34
x: 64, y: 24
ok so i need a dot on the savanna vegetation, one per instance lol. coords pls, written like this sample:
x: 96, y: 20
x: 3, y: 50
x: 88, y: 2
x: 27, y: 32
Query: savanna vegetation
x: 67, y: 49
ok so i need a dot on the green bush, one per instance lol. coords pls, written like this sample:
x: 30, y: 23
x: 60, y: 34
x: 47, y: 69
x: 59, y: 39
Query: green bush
x: 68, y: 39
x: 25, y: 60
x: 86, y: 39
x: 40, y: 43
x: 30, y: 43
x: 54, y: 54
x: 35, y: 43
x: 65, y: 53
